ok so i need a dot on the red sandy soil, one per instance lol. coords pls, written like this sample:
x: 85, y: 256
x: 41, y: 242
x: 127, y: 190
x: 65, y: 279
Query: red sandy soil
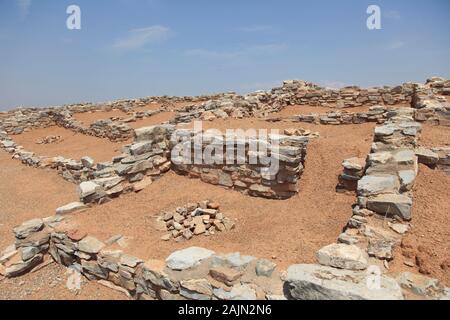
x: 434, y: 136
x: 74, y: 145
x: 50, y: 283
x: 429, y: 240
x: 27, y: 193
x: 153, y: 120
x: 289, y: 231
x: 90, y: 117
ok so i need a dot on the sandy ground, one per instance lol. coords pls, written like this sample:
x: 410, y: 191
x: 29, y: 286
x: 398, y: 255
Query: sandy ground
x: 27, y: 193
x: 291, y: 230
x: 434, y: 136
x: 74, y: 145
x: 90, y: 117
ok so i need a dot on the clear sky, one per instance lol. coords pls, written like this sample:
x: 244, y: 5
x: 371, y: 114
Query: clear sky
x: 136, y: 48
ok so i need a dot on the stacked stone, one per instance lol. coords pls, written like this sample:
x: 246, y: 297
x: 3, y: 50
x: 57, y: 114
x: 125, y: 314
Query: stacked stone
x: 31, y: 245
x: 430, y: 106
x: 25, y: 119
x: 113, y: 130
x: 353, y: 171
x: 251, y: 179
x: 192, y: 220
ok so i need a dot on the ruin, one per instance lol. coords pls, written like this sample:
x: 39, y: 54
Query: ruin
x: 381, y: 181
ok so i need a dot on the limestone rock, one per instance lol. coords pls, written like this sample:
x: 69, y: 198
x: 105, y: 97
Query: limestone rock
x: 372, y: 185
x: 198, y: 289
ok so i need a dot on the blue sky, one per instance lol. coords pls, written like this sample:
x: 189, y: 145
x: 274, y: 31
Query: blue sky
x: 135, y: 48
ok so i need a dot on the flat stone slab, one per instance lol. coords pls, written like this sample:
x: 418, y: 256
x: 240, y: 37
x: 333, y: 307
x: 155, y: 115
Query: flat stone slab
x: 28, y: 227
x: 88, y: 188
x: 391, y: 204
x: 187, y: 258
x: 315, y: 282
x: 373, y: 185
x: 90, y: 245
x: 71, y: 207
x: 342, y: 256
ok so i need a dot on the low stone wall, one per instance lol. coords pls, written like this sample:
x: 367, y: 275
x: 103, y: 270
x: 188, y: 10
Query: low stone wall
x: 193, y: 273
x: 252, y: 177
x: 375, y: 114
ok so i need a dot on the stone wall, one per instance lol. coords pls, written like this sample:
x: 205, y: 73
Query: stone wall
x: 249, y: 177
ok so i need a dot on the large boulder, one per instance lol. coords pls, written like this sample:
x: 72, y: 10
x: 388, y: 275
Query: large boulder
x: 315, y: 282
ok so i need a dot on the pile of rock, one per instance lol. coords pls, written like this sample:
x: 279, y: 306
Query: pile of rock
x: 194, y: 219
x: 50, y: 140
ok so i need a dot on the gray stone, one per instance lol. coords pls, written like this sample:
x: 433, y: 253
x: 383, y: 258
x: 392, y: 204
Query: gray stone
x: 419, y: 284
x: 315, y: 282
x: 407, y: 178
x: 187, y: 258
x: 380, y: 249
x: 426, y: 156
x: 87, y: 162
x: 71, y: 207
x: 391, y: 204
x: 342, y: 256
x: 405, y: 157
x: 264, y: 268
x: 372, y: 185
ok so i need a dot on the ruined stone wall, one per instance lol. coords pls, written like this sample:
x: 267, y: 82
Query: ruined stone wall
x: 240, y: 174
x: 298, y: 92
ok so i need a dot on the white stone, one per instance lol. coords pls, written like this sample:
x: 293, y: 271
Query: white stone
x: 187, y: 258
